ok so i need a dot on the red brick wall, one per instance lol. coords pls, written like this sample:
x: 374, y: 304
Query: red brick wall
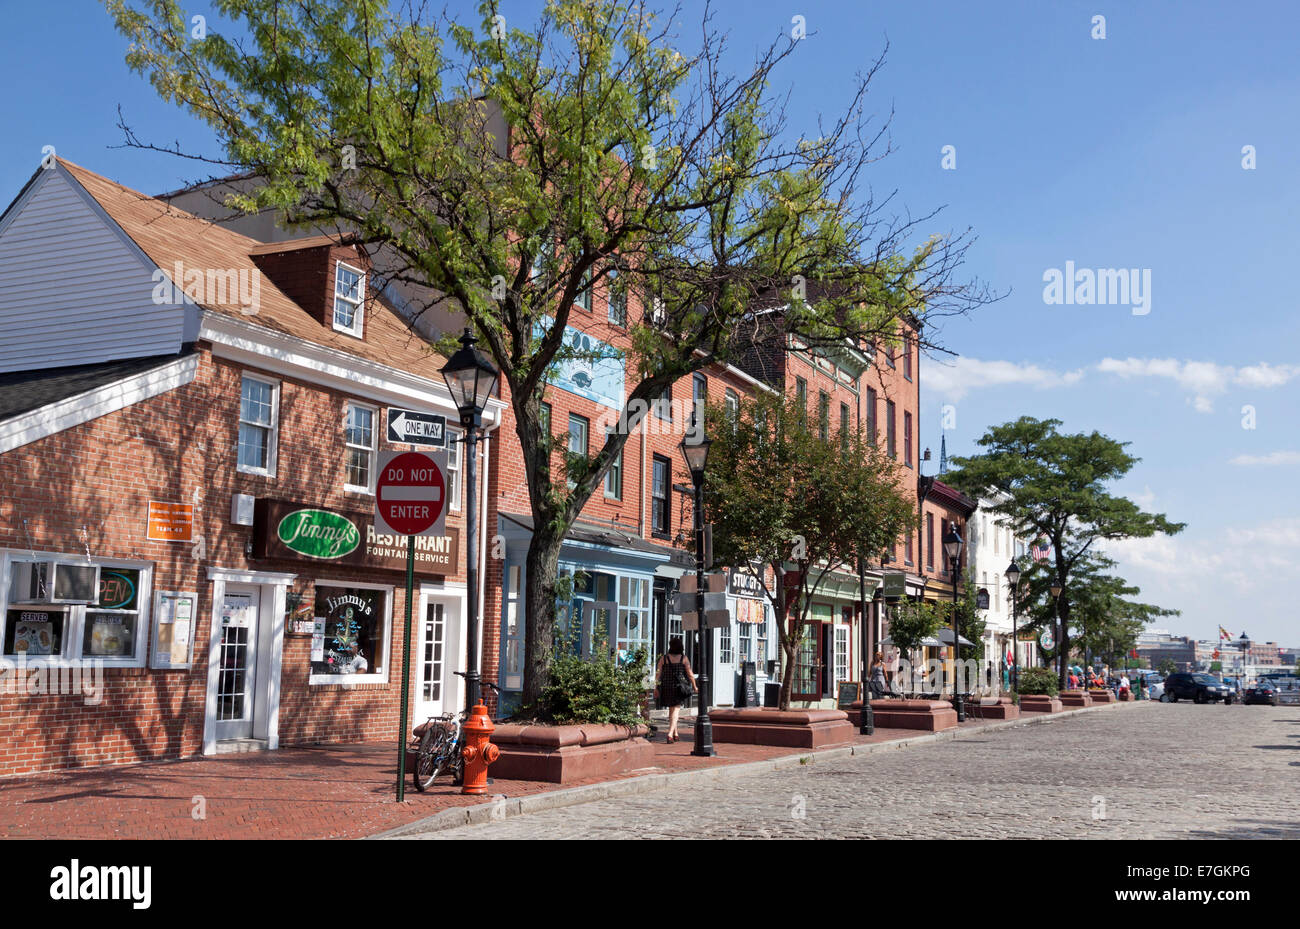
x: 181, y: 447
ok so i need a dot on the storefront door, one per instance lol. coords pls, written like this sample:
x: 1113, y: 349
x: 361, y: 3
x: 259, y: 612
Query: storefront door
x: 436, y: 648
x: 807, y: 684
x: 237, y: 677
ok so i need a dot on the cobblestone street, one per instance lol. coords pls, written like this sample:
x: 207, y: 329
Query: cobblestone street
x: 1153, y: 770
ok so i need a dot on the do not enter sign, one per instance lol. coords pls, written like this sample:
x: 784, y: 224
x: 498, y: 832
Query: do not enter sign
x: 411, y: 493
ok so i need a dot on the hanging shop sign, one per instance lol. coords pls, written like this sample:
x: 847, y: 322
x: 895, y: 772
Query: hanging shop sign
x: 288, y: 531
x: 894, y: 584
x: 982, y: 599
x: 743, y: 583
x: 170, y: 522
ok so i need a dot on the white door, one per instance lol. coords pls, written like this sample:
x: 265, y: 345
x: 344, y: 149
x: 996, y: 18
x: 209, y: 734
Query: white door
x: 724, y: 665
x: 237, y: 675
x: 437, y: 639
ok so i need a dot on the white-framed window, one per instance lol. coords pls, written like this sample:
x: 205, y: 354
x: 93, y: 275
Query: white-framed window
x: 113, y: 630
x: 454, y: 445
x: 725, y: 653
x: 349, y: 293
x: 617, y: 299
x: 614, y: 476
x: 259, y: 414
x: 358, y: 633
x: 578, y: 429
x: 841, y: 655
x: 582, y: 299
x: 359, y: 438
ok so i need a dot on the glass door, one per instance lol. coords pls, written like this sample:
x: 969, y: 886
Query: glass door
x: 237, y: 678
x: 438, y: 632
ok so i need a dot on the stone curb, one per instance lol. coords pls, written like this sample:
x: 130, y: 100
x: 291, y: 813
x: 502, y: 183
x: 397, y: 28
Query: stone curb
x: 504, y: 808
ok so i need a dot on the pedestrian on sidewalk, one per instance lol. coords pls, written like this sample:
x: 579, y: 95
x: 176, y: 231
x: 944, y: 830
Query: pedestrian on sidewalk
x: 676, y: 683
x: 879, y: 686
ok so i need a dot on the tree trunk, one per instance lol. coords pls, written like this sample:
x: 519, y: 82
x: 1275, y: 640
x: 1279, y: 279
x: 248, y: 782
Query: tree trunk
x: 542, y: 567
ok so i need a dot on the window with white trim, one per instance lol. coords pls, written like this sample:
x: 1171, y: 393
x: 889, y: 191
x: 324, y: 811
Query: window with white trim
x: 114, y: 629
x: 725, y: 654
x: 359, y: 437
x: 454, y: 445
x: 349, y: 289
x: 614, y: 476
x: 259, y: 402
x: 358, y: 625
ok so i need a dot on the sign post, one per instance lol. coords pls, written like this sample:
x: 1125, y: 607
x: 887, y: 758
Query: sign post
x: 410, y: 498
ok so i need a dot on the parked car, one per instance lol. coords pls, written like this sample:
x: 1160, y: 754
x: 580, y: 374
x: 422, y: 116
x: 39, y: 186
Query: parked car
x: 1156, y: 686
x: 1262, y: 691
x: 1199, y: 688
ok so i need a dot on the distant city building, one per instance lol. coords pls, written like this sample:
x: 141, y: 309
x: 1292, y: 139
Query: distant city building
x: 1154, y: 646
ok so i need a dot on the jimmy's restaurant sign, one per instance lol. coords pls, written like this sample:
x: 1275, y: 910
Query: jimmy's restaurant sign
x: 285, y: 530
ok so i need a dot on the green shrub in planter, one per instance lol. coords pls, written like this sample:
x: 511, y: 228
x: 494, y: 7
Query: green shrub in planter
x: 1039, y: 681
x: 592, y: 689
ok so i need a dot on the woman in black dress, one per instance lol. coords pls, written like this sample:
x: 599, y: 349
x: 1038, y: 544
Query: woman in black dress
x: 674, y: 667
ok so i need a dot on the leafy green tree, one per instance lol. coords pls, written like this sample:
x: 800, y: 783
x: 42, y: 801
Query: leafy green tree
x: 784, y: 500
x: 1167, y: 666
x: 513, y: 171
x: 1056, y: 487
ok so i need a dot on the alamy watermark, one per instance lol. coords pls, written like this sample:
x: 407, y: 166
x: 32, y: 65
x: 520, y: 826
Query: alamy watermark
x: 1100, y: 286
x: 47, y: 676
x: 209, y: 287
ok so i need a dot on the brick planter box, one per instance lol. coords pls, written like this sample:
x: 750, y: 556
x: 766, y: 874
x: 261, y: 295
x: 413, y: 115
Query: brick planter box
x: 1101, y: 696
x: 1075, y: 698
x: 1040, y: 703
x: 993, y: 708
x: 927, y: 715
x: 790, y: 728
x: 562, y: 754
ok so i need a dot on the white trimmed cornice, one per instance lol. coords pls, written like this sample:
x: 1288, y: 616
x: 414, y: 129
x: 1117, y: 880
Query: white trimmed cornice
x: 82, y: 408
x: 257, y: 346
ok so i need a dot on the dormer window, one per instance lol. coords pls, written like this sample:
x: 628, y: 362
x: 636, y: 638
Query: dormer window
x: 349, y: 287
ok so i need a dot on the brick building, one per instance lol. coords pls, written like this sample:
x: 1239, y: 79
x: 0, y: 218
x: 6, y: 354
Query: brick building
x: 189, y: 426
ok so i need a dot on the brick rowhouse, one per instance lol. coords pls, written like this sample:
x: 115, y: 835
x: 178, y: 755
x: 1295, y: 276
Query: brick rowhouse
x: 266, y: 611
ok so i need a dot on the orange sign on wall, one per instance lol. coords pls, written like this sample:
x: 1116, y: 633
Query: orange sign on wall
x: 170, y: 522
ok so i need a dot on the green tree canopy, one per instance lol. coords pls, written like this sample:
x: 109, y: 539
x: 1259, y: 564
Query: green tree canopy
x: 1056, y: 486
x: 512, y: 170
x: 783, y: 499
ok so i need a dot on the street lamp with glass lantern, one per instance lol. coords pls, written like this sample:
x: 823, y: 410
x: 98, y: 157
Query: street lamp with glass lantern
x: 952, y: 545
x: 695, y: 449
x: 1244, y: 644
x: 471, y: 378
x: 1055, y: 590
x: 1013, y: 578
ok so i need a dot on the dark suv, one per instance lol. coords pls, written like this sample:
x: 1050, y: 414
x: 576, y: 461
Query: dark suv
x: 1199, y: 688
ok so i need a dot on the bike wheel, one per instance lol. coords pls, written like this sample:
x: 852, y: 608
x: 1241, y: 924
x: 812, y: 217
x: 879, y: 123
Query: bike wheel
x: 431, y: 759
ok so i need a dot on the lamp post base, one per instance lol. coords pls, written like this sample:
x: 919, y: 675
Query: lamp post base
x: 703, y: 737
x: 959, y: 704
x: 868, y: 726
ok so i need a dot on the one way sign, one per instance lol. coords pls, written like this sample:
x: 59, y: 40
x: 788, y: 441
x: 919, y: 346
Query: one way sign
x: 411, y: 427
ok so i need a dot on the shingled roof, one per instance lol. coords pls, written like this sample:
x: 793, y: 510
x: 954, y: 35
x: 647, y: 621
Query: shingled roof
x: 168, y: 235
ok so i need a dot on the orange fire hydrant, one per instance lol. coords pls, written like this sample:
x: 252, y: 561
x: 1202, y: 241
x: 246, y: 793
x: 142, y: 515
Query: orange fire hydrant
x: 479, y: 752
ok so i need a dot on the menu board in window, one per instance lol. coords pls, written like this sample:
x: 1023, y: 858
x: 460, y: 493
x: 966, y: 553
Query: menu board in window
x: 175, y: 614
x: 34, y: 632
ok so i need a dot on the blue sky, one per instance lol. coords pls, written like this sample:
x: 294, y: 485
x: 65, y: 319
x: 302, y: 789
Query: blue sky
x: 1122, y: 152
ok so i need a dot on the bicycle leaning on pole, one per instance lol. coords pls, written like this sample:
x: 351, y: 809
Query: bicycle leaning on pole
x: 437, y: 746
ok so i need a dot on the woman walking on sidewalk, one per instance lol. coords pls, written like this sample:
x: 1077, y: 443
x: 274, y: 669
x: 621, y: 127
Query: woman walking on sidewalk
x: 676, y: 683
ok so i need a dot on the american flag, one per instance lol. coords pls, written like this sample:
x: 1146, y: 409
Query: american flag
x: 1041, y: 550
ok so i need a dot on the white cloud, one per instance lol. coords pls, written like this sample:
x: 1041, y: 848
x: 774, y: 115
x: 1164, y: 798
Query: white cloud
x: 953, y: 381
x: 1203, y: 379
x: 1272, y: 458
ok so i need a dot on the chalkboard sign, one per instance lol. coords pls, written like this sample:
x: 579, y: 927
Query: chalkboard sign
x: 748, y: 695
x: 850, y: 693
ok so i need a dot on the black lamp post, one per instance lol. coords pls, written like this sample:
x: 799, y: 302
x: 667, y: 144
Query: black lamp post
x: 471, y: 377
x: 695, y: 449
x: 952, y: 544
x: 1055, y: 591
x: 1013, y: 578
x: 1244, y: 644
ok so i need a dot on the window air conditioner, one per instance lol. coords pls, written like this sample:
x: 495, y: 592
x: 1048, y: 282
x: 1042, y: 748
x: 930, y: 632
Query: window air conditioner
x: 54, y: 582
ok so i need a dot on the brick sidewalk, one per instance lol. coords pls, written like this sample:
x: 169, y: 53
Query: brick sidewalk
x: 295, y: 793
